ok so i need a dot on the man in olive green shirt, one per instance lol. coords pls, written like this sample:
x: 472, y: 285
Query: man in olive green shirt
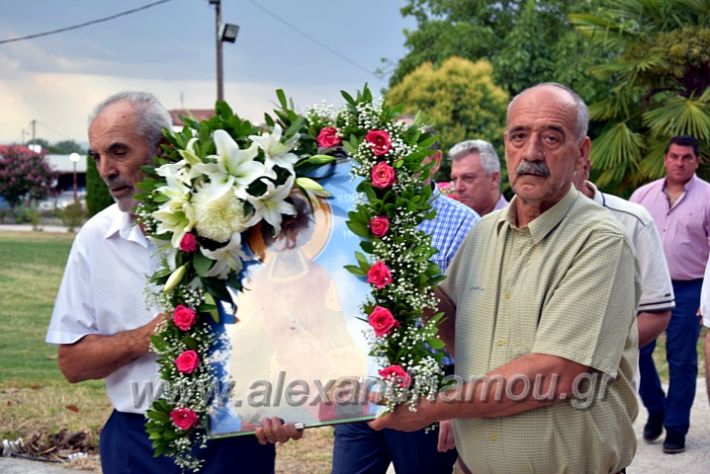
x: 540, y: 301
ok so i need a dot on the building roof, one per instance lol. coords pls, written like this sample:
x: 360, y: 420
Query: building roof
x: 62, y: 163
x: 196, y: 114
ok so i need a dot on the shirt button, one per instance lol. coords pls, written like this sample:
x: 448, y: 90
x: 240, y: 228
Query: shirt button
x: 493, y: 437
x: 500, y: 341
x: 506, y: 295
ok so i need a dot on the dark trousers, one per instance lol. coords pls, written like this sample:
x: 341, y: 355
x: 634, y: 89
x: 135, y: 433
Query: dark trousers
x: 126, y: 449
x: 681, y: 340
x: 358, y: 449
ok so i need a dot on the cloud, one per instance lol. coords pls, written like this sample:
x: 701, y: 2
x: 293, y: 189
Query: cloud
x: 62, y: 102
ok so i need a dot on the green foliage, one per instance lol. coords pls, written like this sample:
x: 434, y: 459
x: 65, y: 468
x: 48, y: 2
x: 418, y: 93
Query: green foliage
x: 98, y: 196
x: 459, y: 98
x: 72, y: 216
x: 526, y: 41
x: 658, y: 65
x: 24, y: 175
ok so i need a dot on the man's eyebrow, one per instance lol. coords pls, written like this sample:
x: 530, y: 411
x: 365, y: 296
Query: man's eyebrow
x: 117, y: 146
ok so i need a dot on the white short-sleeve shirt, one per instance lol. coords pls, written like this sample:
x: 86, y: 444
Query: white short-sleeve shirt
x: 656, y: 284
x: 102, y: 293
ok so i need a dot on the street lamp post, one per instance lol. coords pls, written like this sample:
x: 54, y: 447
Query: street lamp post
x: 227, y: 32
x: 74, y: 157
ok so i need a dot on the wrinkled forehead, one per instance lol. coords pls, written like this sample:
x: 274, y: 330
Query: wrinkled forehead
x: 540, y: 105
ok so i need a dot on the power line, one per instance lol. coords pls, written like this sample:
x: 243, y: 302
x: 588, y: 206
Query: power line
x: 316, y: 41
x: 54, y: 130
x: 82, y: 25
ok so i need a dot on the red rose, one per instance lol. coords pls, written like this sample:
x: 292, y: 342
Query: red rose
x: 379, y: 275
x: 184, y: 317
x: 187, y: 362
x: 183, y: 418
x: 379, y: 226
x: 383, y: 175
x: 188, y: 243
x: 382, y: 321
x: 398, y: 374
x: 328, y: 137
x: 379, y: 141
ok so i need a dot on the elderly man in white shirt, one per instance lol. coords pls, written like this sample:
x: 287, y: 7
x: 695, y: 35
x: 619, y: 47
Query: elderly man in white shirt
x: 100, y: 320
x: 705, y: 314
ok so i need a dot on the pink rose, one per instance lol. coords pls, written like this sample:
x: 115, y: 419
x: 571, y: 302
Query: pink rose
x: 184, y: 317
x: 379, y: 226
x: 382, y: 321
x: 183, y: 418
x: 379, y: 275
x: 187, y: 362
x: 328, y: 137
x: 379, y: 141
x: 382, y: 175
x: 396, y: 372
x: 188, y: 243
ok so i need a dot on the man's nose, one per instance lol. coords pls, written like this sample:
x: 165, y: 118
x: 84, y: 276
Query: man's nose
x: 106, y: 169
x: 457, y: 184
x: 532, y: 150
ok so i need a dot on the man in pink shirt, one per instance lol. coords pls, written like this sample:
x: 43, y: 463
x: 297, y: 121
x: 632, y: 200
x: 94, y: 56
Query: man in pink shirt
x: 680, y: 206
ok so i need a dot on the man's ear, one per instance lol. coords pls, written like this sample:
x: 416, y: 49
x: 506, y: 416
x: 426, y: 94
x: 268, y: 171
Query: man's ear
x: 436, y: 158
x: 495, y: 177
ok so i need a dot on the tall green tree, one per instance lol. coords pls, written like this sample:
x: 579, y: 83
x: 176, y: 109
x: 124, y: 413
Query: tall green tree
x: 98, y: 196
x: 459, y: 98
x: 527, y: 41
x: 660, y: 71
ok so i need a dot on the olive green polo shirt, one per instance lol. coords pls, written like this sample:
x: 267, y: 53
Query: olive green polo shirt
x: 565, y: 285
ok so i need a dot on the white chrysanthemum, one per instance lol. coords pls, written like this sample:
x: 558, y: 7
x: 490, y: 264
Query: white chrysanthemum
x: 219, y: 213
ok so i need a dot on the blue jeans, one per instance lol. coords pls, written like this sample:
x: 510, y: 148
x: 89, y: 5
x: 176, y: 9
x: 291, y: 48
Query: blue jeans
x: 681, y: 340
x: 358, y: 449
x: 126, y: 449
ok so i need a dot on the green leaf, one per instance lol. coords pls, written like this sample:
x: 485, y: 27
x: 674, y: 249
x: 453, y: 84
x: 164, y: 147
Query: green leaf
x: 358, y: 229
x: 201, y: 263
x: 355, y: 270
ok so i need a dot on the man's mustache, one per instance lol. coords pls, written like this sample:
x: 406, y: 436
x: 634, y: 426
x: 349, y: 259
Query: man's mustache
x: 536, y: 168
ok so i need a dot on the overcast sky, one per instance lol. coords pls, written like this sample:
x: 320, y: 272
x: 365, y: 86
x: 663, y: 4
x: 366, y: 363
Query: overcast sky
x: 169, y: 50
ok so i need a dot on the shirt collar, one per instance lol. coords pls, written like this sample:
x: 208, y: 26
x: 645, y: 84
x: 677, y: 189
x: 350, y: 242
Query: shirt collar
x: 545, y: 222
x: 127, y: 228
x: 686, y: 187
x: 598, y: 196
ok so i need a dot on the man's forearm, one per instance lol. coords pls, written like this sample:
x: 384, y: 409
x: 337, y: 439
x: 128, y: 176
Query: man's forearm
x: 95, y: 356
x: 539, y: 379
x: 651, y: 325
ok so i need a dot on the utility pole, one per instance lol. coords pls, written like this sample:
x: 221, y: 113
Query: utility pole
x: 34, y: 126
x: 218, y: 43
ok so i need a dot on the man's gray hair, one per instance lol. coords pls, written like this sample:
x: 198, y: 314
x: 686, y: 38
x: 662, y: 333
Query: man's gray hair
x: 487, y: 154
x: 582, y: 125
x: 152, y: 117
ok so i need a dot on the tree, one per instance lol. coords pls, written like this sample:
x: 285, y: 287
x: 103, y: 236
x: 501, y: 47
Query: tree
x: 66, y: 147
x: 24, y: 175
x: 459, y: 98
x: 526, y: 41
x: 660, y: 72
x: 98, y: 196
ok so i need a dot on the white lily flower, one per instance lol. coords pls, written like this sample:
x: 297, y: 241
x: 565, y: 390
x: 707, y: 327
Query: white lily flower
x: 189, y: 153
x: 228, y: 258
x: 276, y: 152
x: 233, y: 167
x: 272, y: 204
x: 177, y: 221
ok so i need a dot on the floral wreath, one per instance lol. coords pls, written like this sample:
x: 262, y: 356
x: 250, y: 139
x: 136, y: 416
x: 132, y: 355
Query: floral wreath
x: 219, y: 177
